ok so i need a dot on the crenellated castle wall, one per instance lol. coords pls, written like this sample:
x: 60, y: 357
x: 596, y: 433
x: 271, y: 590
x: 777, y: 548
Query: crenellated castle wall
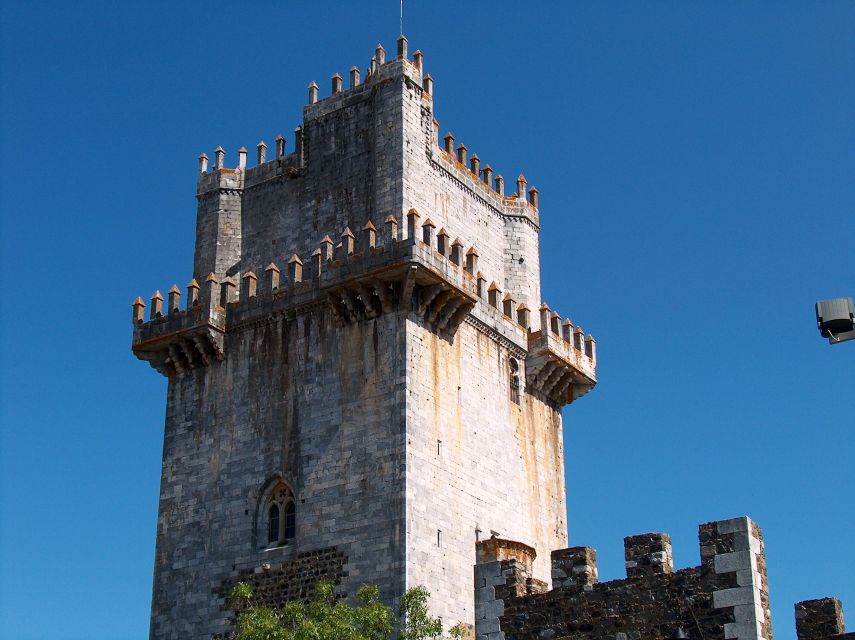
x: 725, y: 597
x: 450, y: 185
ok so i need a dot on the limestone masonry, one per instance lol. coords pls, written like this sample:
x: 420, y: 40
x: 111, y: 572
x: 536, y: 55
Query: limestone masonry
x: 365, y: 385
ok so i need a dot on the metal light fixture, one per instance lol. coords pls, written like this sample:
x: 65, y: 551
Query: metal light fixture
x: 835, y: 319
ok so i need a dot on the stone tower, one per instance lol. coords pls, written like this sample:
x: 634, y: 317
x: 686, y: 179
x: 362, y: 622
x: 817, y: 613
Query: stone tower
x: 363, y: 380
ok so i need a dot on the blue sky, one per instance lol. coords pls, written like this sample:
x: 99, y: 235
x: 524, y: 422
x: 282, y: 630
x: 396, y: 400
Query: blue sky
x: 695, y: 165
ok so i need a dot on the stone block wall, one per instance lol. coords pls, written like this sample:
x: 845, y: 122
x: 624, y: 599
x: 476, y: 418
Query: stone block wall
x: 574, y: 567
x: 348, y: 172
x: 821, y: 620
x: 477, y: 463
x: 725, y: 597
x: 350, y: 176
x: 648, y: 554
x: 502, y: 573
x: 274, y: 585
x: 320, y: 407
x: 218, y: 227
x: 504, y: 228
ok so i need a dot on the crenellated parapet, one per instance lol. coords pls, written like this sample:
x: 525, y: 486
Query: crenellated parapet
x: 464, y: 167
x: 725, y: 597
x: 379, y: 71
x: 561, y: 361
x: 402, y: 265
x: 220, y: 178
x: 468, y: 171
x: 176, y: 340
x: 370, y: 265
x: 355, y: 278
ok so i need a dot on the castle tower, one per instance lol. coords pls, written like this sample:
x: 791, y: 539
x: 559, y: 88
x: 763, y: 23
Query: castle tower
x: 363, y: 378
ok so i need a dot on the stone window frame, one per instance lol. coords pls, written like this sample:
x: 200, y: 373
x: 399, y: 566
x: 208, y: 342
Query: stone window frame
x: 514, y: 380
x: 279, y: 494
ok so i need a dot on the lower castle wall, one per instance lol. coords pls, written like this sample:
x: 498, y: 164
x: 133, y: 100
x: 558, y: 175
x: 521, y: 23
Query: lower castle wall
x: 726, y: 597
x: 320, y: 404
x: 292, y: 580
x: 643, y: 608
x: 475, y: 460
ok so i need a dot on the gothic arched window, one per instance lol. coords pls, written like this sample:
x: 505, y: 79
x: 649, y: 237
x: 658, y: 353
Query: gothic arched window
x: 281, y: 515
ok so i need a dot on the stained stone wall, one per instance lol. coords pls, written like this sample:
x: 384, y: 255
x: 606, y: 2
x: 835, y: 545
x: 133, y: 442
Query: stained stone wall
x: 476, y: 463
x: 454, y: 197
x: 347, y: 174
x: 317, y: 405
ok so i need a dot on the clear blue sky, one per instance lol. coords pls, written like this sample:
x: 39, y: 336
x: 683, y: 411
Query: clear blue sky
x: 695, y: 163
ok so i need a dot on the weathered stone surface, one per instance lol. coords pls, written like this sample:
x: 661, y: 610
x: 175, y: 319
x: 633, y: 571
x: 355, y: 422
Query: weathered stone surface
x: 648, y: 553
x: 650, y: 603
x: 820, y: 619
x: 576, y: 566
x: 274, y: 585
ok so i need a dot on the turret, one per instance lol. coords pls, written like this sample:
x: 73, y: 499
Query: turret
x: 218, y: 218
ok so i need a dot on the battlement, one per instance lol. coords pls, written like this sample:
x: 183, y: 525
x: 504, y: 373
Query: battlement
x: 521, y: 203
x: 821, y: 619
x: 379, y: 71
x: 725, y: 597
x: 360, y: 277
x: 399, y: 267
x: 562, y: 361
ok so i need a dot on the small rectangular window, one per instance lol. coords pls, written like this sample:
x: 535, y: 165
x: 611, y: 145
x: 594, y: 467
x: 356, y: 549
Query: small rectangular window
x: 439, y: 538
x: 514, y: 366
x: 515, y: 389
x: 439, y: 447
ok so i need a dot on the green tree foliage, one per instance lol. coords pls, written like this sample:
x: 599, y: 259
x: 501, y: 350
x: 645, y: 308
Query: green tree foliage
x: 326, y: 618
